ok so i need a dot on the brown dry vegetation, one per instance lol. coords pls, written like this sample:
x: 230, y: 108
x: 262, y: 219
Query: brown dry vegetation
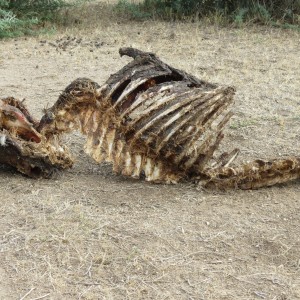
x: 89, y: 234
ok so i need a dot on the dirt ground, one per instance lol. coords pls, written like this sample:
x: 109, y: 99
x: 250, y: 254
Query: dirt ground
x: 89, y: 234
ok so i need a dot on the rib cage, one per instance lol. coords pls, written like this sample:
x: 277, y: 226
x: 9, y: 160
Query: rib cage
x: 149, y: 120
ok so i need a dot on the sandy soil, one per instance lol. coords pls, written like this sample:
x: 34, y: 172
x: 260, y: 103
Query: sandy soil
x: 90, y: 234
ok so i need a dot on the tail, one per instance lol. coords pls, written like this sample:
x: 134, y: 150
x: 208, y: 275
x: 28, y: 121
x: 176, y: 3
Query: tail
x: 253, y: 175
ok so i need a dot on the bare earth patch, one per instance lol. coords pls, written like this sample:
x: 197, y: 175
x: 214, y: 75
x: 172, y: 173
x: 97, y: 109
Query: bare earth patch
x: 88, y: 234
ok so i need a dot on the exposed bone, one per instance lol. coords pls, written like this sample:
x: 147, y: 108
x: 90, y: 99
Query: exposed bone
x: 149, y: 119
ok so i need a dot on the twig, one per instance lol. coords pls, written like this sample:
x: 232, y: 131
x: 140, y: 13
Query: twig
x: 41, y: 297
x: 88, y: 272
x: 85, y: 283
x: 27, y: 294
x: 260, y: 294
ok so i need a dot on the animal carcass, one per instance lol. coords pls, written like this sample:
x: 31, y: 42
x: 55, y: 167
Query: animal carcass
x: 150, y: 121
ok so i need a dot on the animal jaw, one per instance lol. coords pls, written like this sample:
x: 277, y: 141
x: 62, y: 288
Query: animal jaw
x: 23, y: 147
x: 15, y: 118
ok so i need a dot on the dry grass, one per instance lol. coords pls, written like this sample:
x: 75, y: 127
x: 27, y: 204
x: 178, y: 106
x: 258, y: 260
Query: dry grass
x: 91, y: 235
